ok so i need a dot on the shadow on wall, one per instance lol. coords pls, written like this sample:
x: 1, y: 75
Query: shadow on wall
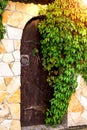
x: 34, y: 1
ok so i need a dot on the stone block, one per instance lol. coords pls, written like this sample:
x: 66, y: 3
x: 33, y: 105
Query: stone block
x: 8, y: 58
x: 16, y: 55
x: 13, y: 85
x: 4, y: 110
x: 26, y: 18
x: 84, y: 92
x: 83, y: 101
x: 5, y: 16
x: 14, y: 97
x: 15, y: 19
x: 15, y: 125
x: 2, y: 127
x: 5, y: 70
x: 74, y: 105
x: 3, y: 96
x: 14, y: 33
x: 76, y: 117
x: 16, y: 68
x: 8, y: 45
x: 11, y: 6
x: 6, y: 124
x: 15, y: 111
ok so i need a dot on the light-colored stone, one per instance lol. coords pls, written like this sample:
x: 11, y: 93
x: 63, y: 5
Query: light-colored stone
x: 4, y: 111
x: 14, y: 33
x: 13, y: 85
x: 6, y: 124
x: 16, y: 55
x: 11, y: 6
x: 5, y: 70
x: 33, y: 10
x: 15, y: 111
x: 8, y: 45
x: 15, y: 125
x: 17, y: 44
x: 70, y: 121
x: 22, y: 24
x: 14, y: 97
x: 74, y: 105
x: 83, y: 102
x: 3, y: 96
x: 1, y: 56
x: 5, y: 16
x: 2, y: 127
x: 76, y: 116
x: 8, y: 58
x: 84, y: 116
x: 84, y: 92
x: 16, y: 19
x: 16, y: 68
x: 7, y: 80
x: 2, y: 49
x: 2, y: 84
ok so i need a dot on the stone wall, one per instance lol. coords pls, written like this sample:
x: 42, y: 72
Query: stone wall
x: 77, y: 110
x: 15, y: 17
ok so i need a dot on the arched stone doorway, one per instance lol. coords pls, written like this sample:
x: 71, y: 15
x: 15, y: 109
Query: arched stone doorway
x: 35, y: 92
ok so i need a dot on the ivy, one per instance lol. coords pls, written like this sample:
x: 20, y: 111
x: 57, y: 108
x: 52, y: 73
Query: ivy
x: 64, y: 52
x: 3, y: 4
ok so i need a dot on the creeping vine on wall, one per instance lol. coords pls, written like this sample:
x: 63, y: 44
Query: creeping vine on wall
x: 3, y: 4
x: 64, y: 51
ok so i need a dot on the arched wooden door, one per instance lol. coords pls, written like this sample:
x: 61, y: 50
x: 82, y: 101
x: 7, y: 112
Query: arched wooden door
x: 35, y: 91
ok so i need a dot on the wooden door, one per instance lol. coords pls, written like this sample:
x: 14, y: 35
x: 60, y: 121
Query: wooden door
x: 35, y: 92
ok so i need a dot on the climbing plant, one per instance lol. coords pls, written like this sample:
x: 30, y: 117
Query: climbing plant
x: 64, y: 52
x: 3, y: 4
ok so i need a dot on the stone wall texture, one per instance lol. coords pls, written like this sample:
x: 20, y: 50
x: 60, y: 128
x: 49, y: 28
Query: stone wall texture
x: 15, y: 16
